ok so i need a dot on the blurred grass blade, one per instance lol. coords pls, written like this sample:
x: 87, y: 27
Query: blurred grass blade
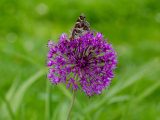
x: 65, y: 91
x: 68, y: 94
x: 118, y: 99
x: 22, y: 56
x: 98, y: 114
x: 12, y: 89
x: 8, y: 106
x: 134, y: 78
x: 55, y: 112
x: 63, y: 111
x: 8, y: 97
x: 60, y: 112
x: 78, y: 116
x: 17, y: 99
x: 148, y: 92
x: 48, y: 110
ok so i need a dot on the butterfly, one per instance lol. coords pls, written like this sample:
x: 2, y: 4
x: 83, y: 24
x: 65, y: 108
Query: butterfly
x: 80, y: 28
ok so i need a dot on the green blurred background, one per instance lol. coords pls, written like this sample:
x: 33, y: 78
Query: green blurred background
x: 133, y: 27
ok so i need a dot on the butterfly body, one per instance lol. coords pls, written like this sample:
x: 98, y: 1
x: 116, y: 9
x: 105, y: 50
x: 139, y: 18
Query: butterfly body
x: 80, y: 28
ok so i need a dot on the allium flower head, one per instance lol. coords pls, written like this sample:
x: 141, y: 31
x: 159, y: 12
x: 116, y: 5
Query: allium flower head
x: 85, y: 61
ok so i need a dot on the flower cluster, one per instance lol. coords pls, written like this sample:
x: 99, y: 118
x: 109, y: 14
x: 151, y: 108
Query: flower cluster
x: 85, y: 63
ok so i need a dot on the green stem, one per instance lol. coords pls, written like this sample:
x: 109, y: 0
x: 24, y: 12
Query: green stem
x: 71, y: 106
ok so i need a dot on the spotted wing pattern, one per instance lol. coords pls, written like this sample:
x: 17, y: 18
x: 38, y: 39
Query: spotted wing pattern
x: 80, y: 28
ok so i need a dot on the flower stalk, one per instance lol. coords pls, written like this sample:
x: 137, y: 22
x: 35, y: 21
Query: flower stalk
x: 71, y: 105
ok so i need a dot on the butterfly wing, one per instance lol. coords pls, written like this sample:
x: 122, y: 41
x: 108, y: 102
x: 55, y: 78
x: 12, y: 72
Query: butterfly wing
x: 80, y: 28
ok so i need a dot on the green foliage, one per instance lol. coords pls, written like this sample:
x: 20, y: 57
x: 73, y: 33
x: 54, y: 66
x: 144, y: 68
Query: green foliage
x: 133, y: 27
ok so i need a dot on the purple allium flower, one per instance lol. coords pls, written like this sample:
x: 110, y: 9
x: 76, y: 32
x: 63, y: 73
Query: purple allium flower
x: 85, y: 62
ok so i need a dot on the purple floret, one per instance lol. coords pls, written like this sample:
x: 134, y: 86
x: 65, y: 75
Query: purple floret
x: 85, y: 63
